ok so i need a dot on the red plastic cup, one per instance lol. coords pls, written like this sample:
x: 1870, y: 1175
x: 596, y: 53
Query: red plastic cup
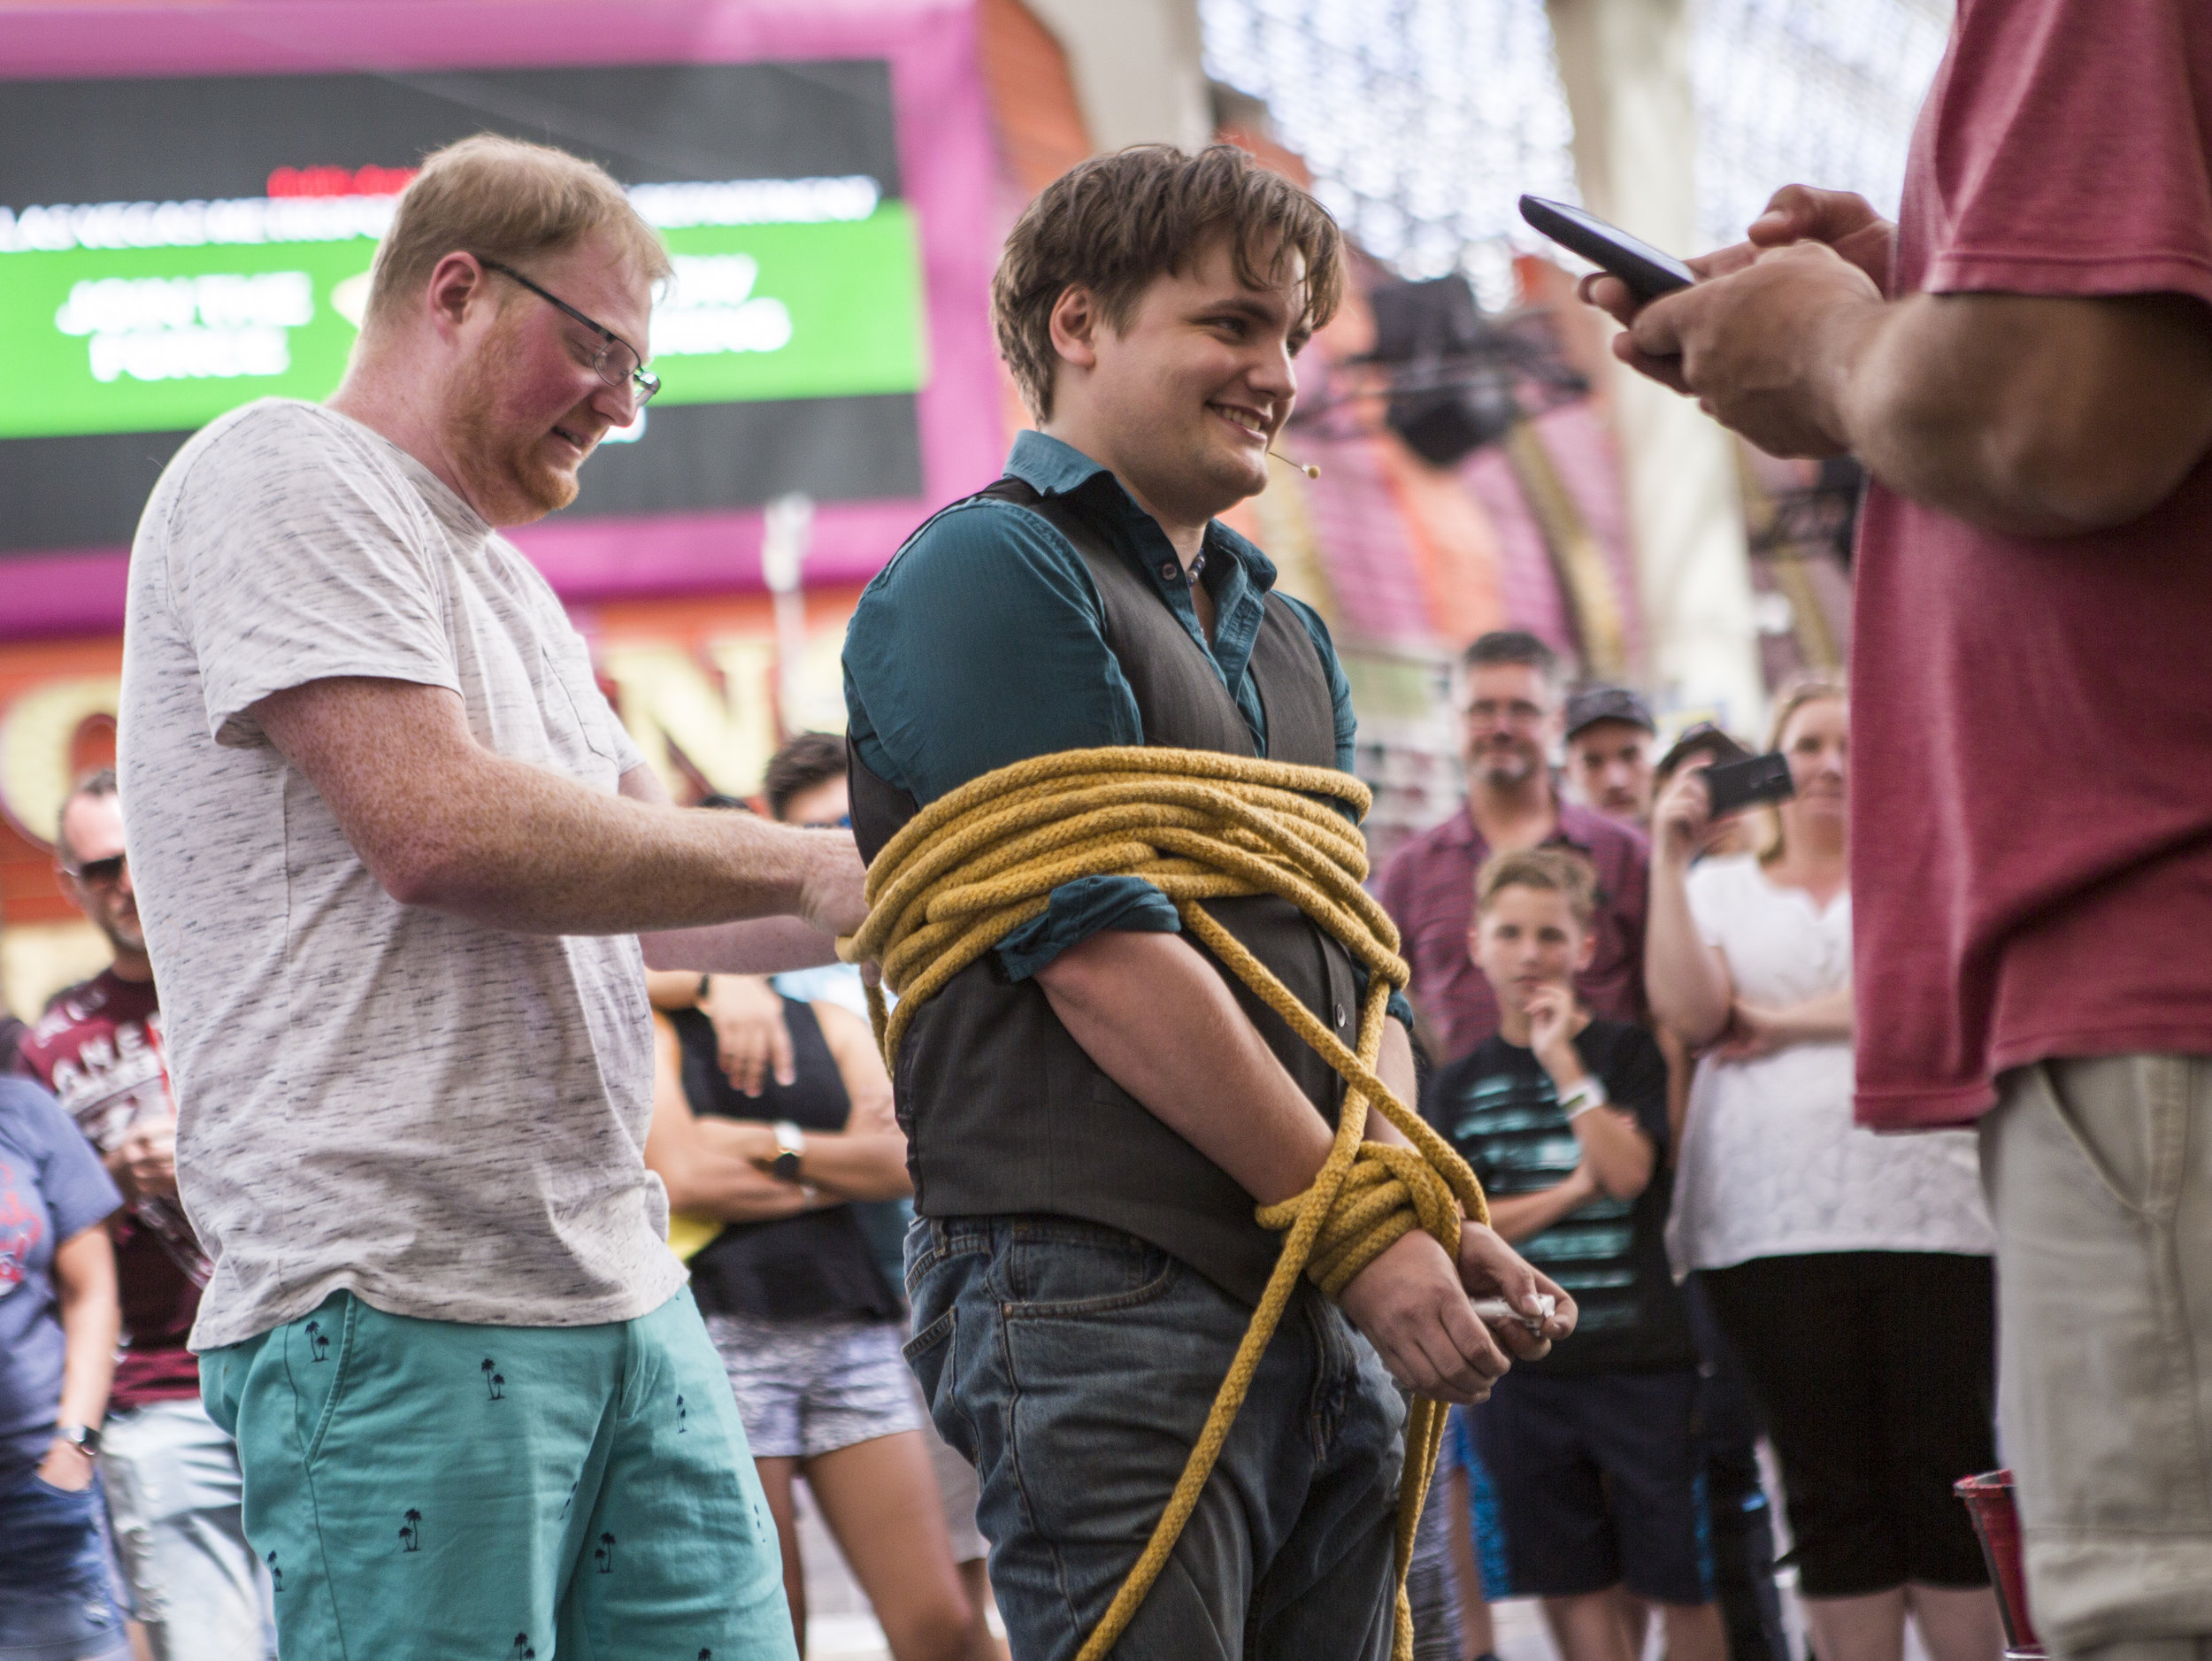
x: 1997, y: 1521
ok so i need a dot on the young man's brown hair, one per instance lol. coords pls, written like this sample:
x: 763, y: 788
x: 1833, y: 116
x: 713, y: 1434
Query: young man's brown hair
x: 500, y: 198
x: 807, y: 760
x: 1116, y: 222
x: 1556, y: 869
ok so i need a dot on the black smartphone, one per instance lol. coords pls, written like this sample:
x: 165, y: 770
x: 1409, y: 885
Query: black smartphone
x: 1733, y: 786
x: 1647, y: 271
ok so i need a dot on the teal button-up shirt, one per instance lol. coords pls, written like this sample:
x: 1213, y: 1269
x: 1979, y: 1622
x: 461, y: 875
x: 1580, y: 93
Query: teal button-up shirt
x: 983, y: 643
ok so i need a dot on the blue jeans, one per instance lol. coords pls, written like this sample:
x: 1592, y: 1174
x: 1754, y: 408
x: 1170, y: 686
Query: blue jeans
x: 1073, y: 1366
x: 55, y: 1600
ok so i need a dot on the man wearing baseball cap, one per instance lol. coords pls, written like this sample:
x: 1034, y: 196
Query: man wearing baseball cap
x: 1610, y: 735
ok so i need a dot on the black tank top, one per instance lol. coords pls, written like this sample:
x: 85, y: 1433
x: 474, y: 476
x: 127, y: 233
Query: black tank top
x: 817, y: 1264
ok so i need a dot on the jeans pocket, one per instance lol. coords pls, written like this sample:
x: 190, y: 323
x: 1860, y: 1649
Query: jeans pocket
x: 928, y: 1353
x: 52, y: 1534
x: 926, y: 1349
x: 1055, y: 1274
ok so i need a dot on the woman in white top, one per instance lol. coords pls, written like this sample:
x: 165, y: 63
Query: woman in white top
x: 1852, y: 1272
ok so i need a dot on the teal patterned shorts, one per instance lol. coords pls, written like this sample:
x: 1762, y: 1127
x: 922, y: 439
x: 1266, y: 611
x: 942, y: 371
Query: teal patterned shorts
x: 459, y: 1492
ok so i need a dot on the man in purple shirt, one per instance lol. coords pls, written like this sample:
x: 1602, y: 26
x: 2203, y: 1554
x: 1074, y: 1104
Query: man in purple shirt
x: 1508, y: 692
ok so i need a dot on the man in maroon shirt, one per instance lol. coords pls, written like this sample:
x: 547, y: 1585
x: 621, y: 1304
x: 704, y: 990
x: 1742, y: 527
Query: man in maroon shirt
x: 1507, y: 693
x: 169, y: 1475
x: 2024, y: 362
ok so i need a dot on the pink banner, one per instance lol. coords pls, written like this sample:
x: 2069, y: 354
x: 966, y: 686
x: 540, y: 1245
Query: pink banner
x: 945, y: 158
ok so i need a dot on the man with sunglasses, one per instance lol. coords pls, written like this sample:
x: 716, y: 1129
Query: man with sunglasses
x: 395, y: 855
x: 170, y: 1475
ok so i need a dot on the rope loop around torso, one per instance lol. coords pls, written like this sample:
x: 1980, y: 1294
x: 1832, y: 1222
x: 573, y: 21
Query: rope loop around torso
x: 983, y: 860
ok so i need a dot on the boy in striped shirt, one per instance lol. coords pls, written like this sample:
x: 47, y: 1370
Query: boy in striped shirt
x: 1563, y: 1116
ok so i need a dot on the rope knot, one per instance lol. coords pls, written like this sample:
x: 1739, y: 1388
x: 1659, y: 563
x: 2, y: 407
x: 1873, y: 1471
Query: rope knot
x: 1389, y: 1192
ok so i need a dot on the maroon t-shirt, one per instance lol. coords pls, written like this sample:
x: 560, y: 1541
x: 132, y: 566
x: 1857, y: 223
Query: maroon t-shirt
x: 2032, y: 816
x: 98, y: 1048
x: 1428, y: 888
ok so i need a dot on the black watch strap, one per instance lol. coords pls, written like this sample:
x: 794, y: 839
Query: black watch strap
x: 82, y: 1436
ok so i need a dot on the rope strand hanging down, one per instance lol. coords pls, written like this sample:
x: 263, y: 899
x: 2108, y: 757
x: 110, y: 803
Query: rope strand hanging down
x: 1198, y: 825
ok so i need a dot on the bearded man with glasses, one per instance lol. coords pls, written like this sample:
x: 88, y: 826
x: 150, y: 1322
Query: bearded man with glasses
x: 395, y: 855
x: 1507, y: 688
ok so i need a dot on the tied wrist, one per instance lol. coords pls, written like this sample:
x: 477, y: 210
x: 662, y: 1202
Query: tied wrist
x: 1589, y: 1094
x: 1389, y: 1192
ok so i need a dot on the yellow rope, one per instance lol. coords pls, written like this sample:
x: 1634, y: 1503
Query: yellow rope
x: 1198, y: 825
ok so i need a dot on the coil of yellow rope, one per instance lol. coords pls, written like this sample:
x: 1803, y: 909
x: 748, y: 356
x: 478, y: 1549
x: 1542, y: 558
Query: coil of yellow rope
x: 1198, y: 825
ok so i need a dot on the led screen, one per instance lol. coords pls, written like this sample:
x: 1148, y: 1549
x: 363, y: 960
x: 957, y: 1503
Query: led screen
x: 170, y: 250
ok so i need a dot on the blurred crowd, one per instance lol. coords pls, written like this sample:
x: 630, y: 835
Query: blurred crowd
x: 1634, y: 1021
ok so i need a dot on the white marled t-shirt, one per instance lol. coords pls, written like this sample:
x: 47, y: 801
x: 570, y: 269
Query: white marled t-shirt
x: 1771, y: 1163
x: 446, y: 1118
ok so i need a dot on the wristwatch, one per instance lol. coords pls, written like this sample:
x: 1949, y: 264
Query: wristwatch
x: 83, y: 1438
x: 1589, y: 1094
x: 790, y: 1147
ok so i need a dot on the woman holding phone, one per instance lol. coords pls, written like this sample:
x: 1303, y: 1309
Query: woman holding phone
x: 1851, y: 1272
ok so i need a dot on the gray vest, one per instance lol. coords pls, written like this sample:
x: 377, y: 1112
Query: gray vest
x: 1003, y: 1111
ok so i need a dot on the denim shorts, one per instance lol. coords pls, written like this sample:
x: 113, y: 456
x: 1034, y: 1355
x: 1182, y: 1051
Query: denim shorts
x: 174, y: 1497
x: 1074, y: 1366
x: 56, y: 1603
x: 808, y: 1388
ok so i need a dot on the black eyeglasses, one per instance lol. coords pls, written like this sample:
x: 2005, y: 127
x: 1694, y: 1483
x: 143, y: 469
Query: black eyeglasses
x: 98, y: 873
x: 615, y: 363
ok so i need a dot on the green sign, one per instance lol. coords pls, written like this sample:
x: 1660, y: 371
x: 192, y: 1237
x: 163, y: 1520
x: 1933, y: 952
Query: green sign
x: 139, y: 339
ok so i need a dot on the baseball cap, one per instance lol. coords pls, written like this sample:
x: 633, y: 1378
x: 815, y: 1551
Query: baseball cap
x: 1607, y: 703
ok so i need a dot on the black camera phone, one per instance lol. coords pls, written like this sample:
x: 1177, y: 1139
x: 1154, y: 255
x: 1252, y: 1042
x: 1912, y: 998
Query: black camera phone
x: 1647, y: 271
x: 1732, y: 786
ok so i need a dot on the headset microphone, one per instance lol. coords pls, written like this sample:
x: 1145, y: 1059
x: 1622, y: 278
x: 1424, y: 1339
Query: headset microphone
x: 1307, y: 468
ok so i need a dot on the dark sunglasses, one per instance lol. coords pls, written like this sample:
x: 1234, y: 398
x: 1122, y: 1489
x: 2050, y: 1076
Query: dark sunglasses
x: 99, y: 874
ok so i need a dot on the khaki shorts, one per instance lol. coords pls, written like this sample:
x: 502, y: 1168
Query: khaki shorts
x: 2100, y: 1180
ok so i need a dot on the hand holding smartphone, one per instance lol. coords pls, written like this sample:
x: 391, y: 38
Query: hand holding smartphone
x: 1732, y: 786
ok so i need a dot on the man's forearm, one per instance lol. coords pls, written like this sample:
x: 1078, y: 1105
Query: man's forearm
x: 525, y: 851
x: 441, y: 821
x: 2031, y: 415
x: 767, y: 945
x: 1394, y: 1067
x: 1161, y: 1022
x: 2035, y: 415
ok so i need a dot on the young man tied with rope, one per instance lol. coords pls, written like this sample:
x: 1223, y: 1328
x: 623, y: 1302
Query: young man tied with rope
x: 1157, y: 1116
